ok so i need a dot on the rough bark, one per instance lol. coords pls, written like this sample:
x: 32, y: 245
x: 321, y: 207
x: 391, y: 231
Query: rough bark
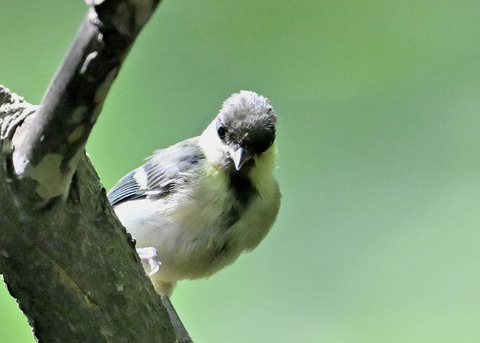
x: 64, y: 255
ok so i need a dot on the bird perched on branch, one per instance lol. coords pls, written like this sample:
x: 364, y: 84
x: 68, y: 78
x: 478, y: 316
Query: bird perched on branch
x: 194, y: 207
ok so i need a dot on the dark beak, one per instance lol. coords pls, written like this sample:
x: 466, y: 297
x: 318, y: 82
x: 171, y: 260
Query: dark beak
x: 240, y: 156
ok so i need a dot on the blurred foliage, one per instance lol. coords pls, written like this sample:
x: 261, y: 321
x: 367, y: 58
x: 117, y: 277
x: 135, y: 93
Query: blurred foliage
x: 378, y: 236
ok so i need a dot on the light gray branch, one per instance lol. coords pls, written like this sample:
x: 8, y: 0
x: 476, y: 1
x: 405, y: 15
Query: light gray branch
x: 63, y: 253
x: 49, y: 144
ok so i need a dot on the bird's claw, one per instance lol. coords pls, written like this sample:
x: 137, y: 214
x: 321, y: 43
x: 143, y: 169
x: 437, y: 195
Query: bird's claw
x: 149, y: 256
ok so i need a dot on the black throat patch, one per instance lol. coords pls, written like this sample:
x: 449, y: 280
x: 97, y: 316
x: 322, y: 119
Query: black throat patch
x: 243, y: 193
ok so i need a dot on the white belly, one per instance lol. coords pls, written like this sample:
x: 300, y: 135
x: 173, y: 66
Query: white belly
x: 186, y: 228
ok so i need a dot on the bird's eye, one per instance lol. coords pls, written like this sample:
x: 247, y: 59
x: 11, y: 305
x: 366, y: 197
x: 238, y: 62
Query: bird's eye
x: 221, y: 132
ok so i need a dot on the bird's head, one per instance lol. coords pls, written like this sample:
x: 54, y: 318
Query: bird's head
x: 243, y: 130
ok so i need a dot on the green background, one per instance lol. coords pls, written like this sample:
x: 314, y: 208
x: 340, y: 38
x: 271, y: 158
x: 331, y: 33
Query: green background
x: 379, y: 156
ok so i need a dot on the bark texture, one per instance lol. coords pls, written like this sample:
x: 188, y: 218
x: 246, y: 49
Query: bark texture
x: 64, y: 255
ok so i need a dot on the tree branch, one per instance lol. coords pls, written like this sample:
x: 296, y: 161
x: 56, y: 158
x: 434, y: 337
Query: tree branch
x: 49, y: 144
x: 64, y: 255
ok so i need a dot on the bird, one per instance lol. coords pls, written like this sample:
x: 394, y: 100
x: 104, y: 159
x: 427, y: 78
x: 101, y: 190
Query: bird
x: 195, y: 207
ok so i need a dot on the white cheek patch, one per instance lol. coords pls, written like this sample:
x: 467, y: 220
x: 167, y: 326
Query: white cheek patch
x: 211, y: 145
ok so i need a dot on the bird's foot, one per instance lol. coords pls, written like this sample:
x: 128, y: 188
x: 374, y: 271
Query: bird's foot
x: 149, y: 256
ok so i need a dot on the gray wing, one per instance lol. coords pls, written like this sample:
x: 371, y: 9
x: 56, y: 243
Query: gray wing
x: 165, y: 172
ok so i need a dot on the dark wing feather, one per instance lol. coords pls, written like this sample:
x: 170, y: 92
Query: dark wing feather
x: 126, y: 189
x: 163, y: 174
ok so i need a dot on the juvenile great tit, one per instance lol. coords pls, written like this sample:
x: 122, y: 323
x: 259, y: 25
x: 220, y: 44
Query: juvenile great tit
x: 194, y: 207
